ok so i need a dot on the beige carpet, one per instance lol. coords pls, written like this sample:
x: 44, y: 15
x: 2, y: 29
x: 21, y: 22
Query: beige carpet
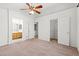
x: 36, y: 47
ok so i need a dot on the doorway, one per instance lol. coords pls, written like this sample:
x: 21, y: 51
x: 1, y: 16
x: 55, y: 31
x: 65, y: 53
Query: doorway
x: 17, y: 26
x: 54, y: 30
x: 36, y: 29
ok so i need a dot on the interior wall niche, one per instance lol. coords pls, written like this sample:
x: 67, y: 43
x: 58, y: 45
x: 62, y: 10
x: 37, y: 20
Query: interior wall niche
x: 17, y: 29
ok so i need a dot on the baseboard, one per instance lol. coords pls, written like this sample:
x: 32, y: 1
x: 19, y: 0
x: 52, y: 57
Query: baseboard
x: 45, y: 40
x: 78, y: 49
x: 73, y: 46
x: 31, y: 38
x: 4, y: 45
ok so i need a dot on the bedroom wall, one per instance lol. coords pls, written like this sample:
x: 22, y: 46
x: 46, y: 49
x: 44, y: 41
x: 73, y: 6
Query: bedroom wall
x: 16, y: 23
x: 3, y: 27
x: 6, y: 16
x: 44, y: 25
x: 78, y: 28
x: 27, y: 24
x: 44, y: 28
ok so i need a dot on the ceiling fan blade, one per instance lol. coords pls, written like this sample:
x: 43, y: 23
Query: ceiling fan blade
x: 28, y: 4
x: 36, y: 11
x: 39, y: 6
x: 24, y: 9
x: 30, y: 7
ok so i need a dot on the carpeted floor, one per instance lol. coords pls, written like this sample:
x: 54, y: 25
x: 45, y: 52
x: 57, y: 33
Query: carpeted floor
x: 36, y: 47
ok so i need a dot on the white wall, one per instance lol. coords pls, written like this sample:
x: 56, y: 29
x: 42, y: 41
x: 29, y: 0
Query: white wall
x: 6, y: 28
x: 3, y: 27
x: 44, y: 28
x: 16, y: 23
x: 78, y: 28
x: 27, y: 24
x: 31, y: 27
x: 44, y: 25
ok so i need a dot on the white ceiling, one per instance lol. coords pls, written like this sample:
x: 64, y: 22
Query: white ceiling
x: 47, y: 7
x: 14, y: 6
x: 55, y: 7
x: 23, y: 5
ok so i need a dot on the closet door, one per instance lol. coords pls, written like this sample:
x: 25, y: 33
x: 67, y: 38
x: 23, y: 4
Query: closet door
x: 63, y: 30
x: 3, y: 27
x: 44, y: 29
x: 25, y: 32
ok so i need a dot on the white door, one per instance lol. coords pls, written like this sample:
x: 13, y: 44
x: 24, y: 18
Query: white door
x: 26, y: 32
x: 3, y: 27
x: 44, y: 29
x: 63, y: 30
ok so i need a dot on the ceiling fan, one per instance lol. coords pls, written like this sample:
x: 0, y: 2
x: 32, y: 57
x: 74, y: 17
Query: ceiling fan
x: 33, y: 9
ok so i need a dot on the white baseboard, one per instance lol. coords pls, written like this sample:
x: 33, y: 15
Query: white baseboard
x: 78, y: 49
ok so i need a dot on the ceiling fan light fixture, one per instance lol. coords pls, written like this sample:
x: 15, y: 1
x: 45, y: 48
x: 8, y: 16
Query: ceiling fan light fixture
x: 31, y: 12
x: 33, y: 9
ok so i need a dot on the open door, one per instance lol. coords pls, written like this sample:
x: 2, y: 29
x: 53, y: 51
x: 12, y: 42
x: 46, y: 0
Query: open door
x: 63, y: 30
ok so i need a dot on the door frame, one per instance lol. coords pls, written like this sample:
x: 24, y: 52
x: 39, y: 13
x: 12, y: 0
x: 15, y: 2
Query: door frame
x: 57, y: 26
x: 36, y: 23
